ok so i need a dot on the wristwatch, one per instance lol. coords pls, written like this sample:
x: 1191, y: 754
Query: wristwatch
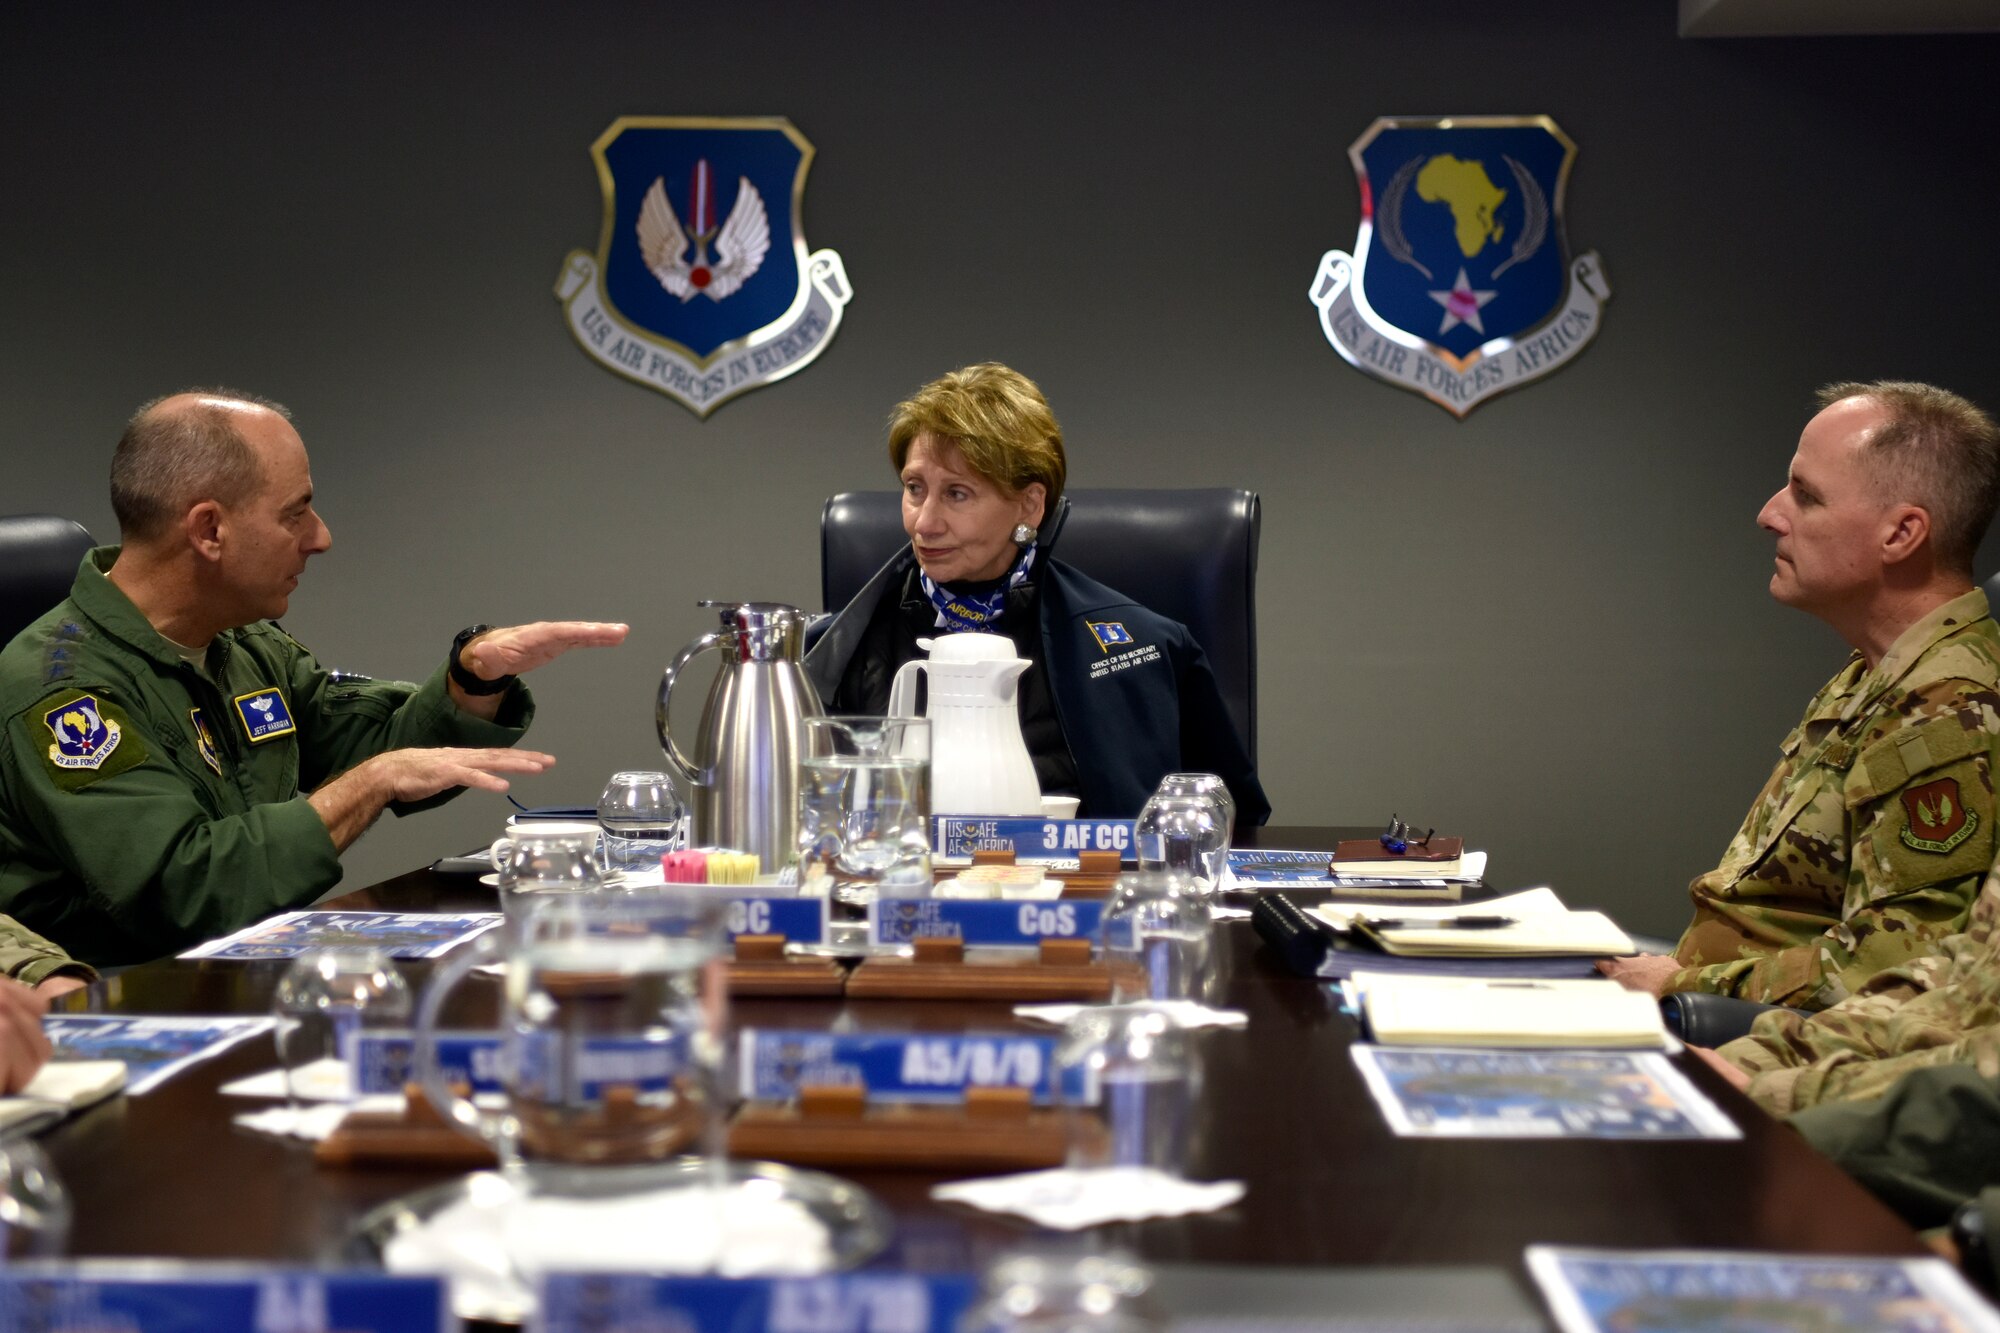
x: 464, y: 679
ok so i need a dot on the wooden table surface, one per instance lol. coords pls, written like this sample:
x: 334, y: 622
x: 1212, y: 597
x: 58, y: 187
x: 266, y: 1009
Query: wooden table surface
x: 1285, y: 1111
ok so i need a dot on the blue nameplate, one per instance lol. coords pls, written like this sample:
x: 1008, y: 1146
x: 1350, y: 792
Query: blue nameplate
x: 385, y: 1061
x: 1030, y: 839
x: 982, y: 922
x: 800, y: 920
x: 848, y: 1303
x: 898, y: 1067
x: 93, y: 1296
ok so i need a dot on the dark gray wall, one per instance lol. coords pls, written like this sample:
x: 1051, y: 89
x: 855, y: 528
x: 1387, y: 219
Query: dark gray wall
x: 1545, y: 626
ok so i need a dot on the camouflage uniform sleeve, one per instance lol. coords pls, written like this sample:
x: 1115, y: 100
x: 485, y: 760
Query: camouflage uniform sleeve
x: 1919, y: 810
x: 27, y: 957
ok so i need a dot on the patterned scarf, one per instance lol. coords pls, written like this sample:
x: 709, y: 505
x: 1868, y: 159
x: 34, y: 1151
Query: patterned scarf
x: 969, y: 612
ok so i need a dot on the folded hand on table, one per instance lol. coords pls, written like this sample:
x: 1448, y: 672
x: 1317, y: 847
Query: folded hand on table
x: 1648, y: 972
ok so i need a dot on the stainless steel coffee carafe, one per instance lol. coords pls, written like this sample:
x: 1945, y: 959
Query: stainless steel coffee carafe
x: 745, y: 770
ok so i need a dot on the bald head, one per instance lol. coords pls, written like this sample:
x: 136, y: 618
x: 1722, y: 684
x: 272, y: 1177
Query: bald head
x: 183, y: 449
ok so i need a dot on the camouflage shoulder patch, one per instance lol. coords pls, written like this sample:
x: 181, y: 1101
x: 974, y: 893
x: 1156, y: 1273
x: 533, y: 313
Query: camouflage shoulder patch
x: 89, y: 738
x: 1937, y: 819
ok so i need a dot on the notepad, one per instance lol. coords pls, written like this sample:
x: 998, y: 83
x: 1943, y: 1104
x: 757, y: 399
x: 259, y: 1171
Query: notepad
x: 1581, y: 934
x: 1405, y: 1010
x: 62, y: 1086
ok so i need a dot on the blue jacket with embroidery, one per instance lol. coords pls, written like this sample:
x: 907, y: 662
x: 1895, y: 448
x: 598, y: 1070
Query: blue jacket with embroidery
x: 1132, y: 712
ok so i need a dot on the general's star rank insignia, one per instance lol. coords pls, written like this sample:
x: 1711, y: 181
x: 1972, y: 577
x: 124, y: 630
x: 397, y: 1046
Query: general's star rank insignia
x: 701, y: 286
x: 1460, y: 285
x: 1938, y: 820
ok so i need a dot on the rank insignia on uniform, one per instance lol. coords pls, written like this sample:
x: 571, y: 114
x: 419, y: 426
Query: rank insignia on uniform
x: 1109, y: 634
x: 702, y: 287
x: 1460, y: 285
x: 264, y: 715
x: 1938, y: 820
x: 204, y: 741
x: 85, y: 738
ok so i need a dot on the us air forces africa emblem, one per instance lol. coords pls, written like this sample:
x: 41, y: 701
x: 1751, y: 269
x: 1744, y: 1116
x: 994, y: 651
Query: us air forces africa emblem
x: 701, y: 286
x: 1460, y: 285
x: 85, y: 738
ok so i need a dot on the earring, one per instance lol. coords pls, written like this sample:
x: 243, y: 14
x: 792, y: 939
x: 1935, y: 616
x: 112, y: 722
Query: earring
x: 1023, y: 534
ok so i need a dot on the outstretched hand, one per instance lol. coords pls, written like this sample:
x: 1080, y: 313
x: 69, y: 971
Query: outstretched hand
x: 413, y: 775
x: 520, y: 648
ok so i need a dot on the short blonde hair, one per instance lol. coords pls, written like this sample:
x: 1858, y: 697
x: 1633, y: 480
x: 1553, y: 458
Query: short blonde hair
x: 1937, y: 451
x: 998, y: 419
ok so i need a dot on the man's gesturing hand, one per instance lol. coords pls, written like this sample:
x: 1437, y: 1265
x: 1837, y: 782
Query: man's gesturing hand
x: 519, y: 648
x: 349, y: 804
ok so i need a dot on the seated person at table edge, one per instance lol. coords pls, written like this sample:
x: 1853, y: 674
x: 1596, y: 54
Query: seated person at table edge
x: 980, y: 459
x: 175, y: 766
x: 1868, y: 843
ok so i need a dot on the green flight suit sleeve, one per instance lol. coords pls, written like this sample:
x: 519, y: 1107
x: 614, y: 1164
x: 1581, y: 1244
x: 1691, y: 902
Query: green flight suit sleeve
x: 31, y: 960
x: 1925, y: 1147
x: 152, y: 860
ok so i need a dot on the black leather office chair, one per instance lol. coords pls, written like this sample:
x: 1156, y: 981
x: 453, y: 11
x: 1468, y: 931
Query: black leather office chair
x: 1992, y: 587
x: 1191, y: 555
x: 38, y: 559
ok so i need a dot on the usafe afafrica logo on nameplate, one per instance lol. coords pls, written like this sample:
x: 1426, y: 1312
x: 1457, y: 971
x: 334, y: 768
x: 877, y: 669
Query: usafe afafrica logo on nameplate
x: 701, y: 286
x: 1460, y: 285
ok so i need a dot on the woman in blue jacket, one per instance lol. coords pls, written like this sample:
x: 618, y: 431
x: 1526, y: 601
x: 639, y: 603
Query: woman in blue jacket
x: 980, y: 460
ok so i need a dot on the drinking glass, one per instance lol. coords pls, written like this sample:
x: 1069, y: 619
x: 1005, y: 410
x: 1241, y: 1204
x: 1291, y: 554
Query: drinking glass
x: 1061, y: 1291
x: 1159, y: 938
x: 544, y: 858
x: 1131, y: 1088
x: 1204, y: 784
x: 641, y: 816
x: 34, y: 1206
x: 1184, y: 834
x: 611, y: 1026
x: 324, y: 999
x: 864, y: 809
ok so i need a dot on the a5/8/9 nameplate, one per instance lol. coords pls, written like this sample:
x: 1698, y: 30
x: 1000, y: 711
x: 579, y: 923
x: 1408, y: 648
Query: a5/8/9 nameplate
x: 91, y: 1297
x: 1030, y: 839
x: 897, y: 1067
x: 847, y: 1303
x: 799, y: 920
x: 982, y: 923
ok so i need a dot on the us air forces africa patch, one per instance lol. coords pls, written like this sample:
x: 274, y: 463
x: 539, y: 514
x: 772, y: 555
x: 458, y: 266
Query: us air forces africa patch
x: 701, y: 286
x: 1460, y: 285
x: 92, y: 740
x: 263, y: 715
x: 1938, y: 819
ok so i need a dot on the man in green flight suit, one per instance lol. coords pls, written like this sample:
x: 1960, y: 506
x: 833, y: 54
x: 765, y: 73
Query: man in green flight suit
x: 175, y: 766
x: 1869, y: 841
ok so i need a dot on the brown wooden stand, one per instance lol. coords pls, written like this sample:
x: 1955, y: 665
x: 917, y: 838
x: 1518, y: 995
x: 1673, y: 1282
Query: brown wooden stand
x: 994, y: 1129
x: 761, y: 968
x: 414, y: 1134
x: 1061, y: 970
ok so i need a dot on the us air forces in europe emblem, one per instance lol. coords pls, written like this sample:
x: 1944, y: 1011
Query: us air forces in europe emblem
x: 701, y: 286
x: 1460, y: 285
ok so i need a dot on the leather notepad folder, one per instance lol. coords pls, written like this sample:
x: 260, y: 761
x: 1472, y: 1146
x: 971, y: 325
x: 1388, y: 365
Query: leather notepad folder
x: 1368, y: 857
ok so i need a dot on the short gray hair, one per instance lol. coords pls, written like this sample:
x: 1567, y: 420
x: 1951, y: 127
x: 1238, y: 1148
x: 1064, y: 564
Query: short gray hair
x: 1938, y: 451
x: 170, y: 460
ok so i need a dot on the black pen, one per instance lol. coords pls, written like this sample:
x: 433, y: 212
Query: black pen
x: 1440, y: 923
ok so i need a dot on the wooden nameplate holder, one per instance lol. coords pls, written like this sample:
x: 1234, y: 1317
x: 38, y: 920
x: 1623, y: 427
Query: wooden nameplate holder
x: 761, y: 968
x: 412, y: 1135
x: 992, y: 1130
x: 1058, y: 970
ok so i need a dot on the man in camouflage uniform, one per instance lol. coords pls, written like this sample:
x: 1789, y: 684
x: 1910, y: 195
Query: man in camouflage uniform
x: 175, y: 766
x: 1870, y: 839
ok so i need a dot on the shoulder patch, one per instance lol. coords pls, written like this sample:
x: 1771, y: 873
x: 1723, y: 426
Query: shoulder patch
x: 1937, y: 819
x: 90, y: 739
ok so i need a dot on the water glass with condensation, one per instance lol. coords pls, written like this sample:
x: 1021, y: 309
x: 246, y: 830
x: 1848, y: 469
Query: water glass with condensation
x: 1158, y: 938
x: 864, y: 809
x: 323, y: 1002
x: 1185, y: 835
x: 1130, y: 1086
x: 642, y: 819
x: 34, y: 1206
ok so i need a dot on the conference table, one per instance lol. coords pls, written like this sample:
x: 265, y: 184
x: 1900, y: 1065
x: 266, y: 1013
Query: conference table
x: 1285, y: 1111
